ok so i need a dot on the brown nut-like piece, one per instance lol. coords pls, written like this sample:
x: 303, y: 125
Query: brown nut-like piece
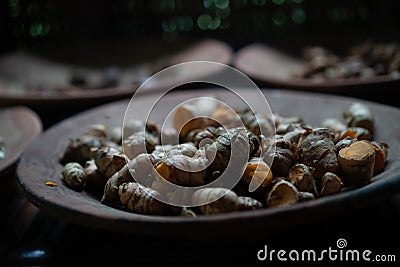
x: 358, y: 133
x: 345, y: 142
x: 140, y: 199
x: 98, y: 130
x: 137, y: 143
x: 183, y: 170
x: 281, y: 153
x: 381, y: 155
x: 317, y: 150
x: 248, y: 203
x: 306, y: 196
x: 140, y: 169
x: 331, y: 184
x: 226, y: 200
x: 95, y: 180
x: 227, y: 117
x: 74, y: 176
x: 109, y: 160
x: 283, y: 193
x: 301, y: 177
x: 259, y: 170
x: 335, y: 124
x: 359, y: 115
x: 80, y: 149
x: 357, y: 162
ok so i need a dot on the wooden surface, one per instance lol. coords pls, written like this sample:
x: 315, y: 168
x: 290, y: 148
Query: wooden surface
x: 272, y: 67
x: 39, y: 163
x: 44, y: 81
x: 19, y: 125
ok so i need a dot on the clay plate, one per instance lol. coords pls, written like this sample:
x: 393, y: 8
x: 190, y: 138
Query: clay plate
x: 19, y: 126
x: 42, y: 81
x: 39, y: 163
x: 272, y: 67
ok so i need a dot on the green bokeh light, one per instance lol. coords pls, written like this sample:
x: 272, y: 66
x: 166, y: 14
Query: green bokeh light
x: 278, y: 2
x: 298, y: 16
x: 221, y: 4
x: 209, y: 3
x: 35, y: 29
x: 216, y: 22
x: 13, y: 3
x: 204, y: 21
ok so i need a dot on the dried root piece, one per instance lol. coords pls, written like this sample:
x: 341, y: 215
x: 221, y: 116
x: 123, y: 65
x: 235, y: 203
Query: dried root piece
x: 259, y: 170
x: 283, y: 123
x: 345, y: 142
x: 98, y: 130
x: 335, y: 124
x: 301, y: 177
x: 219, y: 153
x: 109, y: 160
x: 81, y: 149
x: 226, y: 200
x: 331, y: 184
x: 183, y: 170
x: 227, y: 117
x: 138, y: 143
x: 305, y: 196
x: 381, y: 155
x: 258, y: 124
x: 359, y: 115
x: 201, y: 138
x: 139, y: 168
x: 116, y: 135
x: 133, y: 126
x: 74, y: 176
x: 95, y: 180
x: 186, y: 149
x: 283, y: 193
x: 203, y: 106
x: 317, y: 150
x: 282, y: 154
x: 296, y: 131
x: 196, y: 124
x: 358, y: 133
x: 357, y: 162
x: 140, y: 199
x: 248, y: 203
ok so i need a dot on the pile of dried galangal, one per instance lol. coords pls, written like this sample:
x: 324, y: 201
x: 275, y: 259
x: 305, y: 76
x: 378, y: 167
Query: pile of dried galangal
x: 306, y: 162
x: 365, y: 60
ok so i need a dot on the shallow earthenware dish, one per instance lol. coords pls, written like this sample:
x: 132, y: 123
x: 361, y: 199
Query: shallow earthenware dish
x: 40, y: 163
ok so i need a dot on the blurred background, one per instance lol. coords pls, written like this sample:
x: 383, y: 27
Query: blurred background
x: 126, y: 32
x: 43, y: 25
